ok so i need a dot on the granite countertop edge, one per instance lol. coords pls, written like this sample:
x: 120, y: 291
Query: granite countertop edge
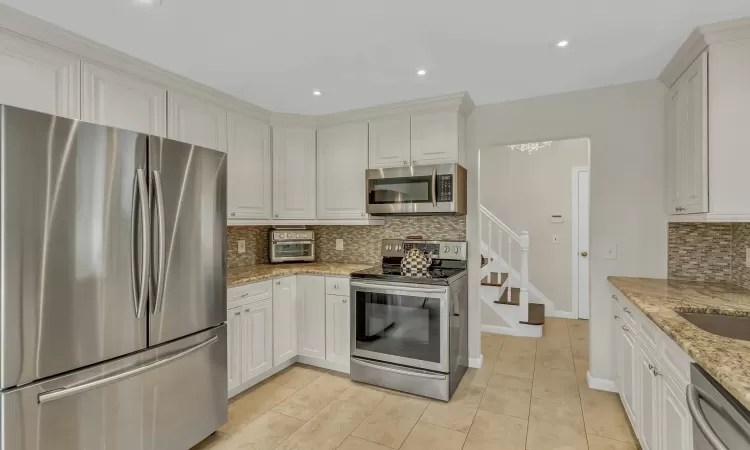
x: 661, y: 300
x: 237, y: 276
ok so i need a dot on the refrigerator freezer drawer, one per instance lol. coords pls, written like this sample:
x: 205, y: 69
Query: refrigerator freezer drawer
x: 166, y: 398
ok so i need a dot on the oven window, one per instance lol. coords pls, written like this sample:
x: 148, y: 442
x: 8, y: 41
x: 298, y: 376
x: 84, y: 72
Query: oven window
x: 398, y: 325
x: 292, y: 249
x: 401, y: 190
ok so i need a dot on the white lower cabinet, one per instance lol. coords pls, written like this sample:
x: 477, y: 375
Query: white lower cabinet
x: 337, y: 330
x: 652, y: 389
x: 234, y: 347
x: 257, y: 339
x: 311, y: 318
x: 677, y: 425
x: 284, y: 319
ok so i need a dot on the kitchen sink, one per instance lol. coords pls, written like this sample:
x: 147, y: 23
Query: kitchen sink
x: 734, y: 327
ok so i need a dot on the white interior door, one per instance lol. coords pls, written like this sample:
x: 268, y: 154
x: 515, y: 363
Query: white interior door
x: 581, y: 240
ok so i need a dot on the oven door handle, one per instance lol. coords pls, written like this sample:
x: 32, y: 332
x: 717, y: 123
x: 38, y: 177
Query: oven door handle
x: 399, y: 288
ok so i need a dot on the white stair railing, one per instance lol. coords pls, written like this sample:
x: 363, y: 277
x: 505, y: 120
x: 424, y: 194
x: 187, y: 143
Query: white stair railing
x: 499, y: 234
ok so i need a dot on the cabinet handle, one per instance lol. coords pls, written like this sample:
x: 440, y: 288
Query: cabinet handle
x: 278, y: 282
x: 245, y: 295
x: 363, y: 214
x: 414, y: 163
x: 232, y: 214
x: 276, y: 215
x: 406, y: 162
x: 344, y: 300
x: 237, y: 313
x: 614, y: 296
x: 616, y: 316
x: 627, y: 310
x: 626, y: 328
x: 653, y: 370
x: 247, y: 310
x: 335, y: 286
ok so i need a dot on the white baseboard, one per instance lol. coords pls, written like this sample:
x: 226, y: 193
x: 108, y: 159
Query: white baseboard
x: 600, y: 384
x: 476, y: 362
x: 258, y: 378
x: 323, y: 364
x: 521, y: 330
x: 563, y: 315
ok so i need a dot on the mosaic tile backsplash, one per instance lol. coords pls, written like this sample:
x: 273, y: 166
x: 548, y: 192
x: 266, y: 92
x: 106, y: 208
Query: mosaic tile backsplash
x: 361, y: 243
x: 709, y: 252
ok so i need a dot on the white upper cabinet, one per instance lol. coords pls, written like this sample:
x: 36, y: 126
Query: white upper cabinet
x: 116, y: 99
x: 687, y: 125
x: 390, y: 142
x: 37, y: 77
x: 311, y: 319
x: 342, y: 161
x: 434, y: 138
x: 249, y: 168
x: 196, y: 122
x: 294, y: 173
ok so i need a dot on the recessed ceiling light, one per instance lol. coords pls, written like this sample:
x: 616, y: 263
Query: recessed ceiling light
x: 563, y: 44
x: 317, y: 93
x: 421, y: 72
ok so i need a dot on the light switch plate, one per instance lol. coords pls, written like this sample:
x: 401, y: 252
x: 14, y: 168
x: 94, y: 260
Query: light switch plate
x: 339, y: 244
x: 610, y: 251
x: 241, y: 246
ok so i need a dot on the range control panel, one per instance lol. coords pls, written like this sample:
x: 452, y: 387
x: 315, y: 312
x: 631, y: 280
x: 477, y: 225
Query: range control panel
x: 453, y: 250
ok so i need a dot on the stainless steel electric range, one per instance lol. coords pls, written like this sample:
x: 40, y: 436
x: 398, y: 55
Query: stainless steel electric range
x: 410, y: 330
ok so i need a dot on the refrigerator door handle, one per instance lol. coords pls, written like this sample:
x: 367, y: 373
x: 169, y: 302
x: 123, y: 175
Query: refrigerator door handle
x: 57, y: 394
x: 146, y: 240
x: 162, y: 251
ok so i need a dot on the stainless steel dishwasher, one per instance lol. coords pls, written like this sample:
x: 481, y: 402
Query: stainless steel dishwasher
x: 720, y: 422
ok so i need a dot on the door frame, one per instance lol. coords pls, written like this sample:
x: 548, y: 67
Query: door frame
x: 575, y: 172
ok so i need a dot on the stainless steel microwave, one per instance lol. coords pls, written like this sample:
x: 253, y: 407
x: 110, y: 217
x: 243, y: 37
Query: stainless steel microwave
x: 436, y: 189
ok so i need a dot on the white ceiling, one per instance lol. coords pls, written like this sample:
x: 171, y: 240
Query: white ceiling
x: 360, y: 53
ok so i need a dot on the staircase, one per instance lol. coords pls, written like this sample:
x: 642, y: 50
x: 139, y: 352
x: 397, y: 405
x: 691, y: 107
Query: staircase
x: 510, y: 304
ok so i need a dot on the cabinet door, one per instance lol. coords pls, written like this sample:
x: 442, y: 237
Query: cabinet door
x: 196, y: 122
x: 628, y: 358
x: 293, y: 173
x: 676, y: 423
x: 434, y: 138
x: 342, y: 161
x: 390, y: 142
x: 311, y: 317
x: 337, y: 329
x: 284, y: 319
x: 249, y: 168
x: 116, y: 99
x: 234, y: 347
x: 617, y: 326
x: 257, y: 339
x: 688, y: 138
x: 648, y: 390
x: 34, y: 76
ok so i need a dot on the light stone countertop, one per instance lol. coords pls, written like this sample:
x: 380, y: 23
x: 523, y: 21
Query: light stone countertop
x: 260, y: 272
x: 727, y: 360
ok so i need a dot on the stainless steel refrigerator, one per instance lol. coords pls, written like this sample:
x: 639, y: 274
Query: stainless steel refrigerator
x: 112, y: 287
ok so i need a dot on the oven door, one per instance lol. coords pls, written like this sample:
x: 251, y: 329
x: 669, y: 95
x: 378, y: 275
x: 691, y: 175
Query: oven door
x: 292, y: 251
x: 400, y: 323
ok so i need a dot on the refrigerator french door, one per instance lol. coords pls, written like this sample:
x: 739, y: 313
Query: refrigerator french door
x: 113, y: 287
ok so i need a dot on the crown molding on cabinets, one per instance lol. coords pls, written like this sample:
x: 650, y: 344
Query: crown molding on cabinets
x: 460, y: 100
x: 700, y: 39
x: 31, y: 27
x: 292, y: 120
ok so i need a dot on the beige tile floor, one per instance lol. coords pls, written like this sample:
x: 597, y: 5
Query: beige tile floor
x: 530, y: 394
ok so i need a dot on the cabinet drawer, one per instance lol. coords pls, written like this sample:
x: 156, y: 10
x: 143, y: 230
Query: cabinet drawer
x: 337, y: 286
x: 248, y: 293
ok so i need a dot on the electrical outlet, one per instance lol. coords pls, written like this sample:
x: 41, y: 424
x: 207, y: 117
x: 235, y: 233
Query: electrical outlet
x: 555, y: 238
x: 241, y: 246
x: 339, y: 244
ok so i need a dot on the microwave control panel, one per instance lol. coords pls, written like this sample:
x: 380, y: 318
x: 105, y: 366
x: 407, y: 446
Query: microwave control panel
x: 444, y: 188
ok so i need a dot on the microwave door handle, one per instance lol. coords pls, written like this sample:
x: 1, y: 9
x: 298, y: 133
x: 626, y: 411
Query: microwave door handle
x: 434, y: 187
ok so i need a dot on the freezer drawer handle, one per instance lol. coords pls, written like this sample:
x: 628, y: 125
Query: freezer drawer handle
x: 400, y: 372
x: 57, y: 394
x: 693, y: 395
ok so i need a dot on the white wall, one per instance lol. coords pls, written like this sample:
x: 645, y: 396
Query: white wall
x: 524, y: 190
x: 625, y: 124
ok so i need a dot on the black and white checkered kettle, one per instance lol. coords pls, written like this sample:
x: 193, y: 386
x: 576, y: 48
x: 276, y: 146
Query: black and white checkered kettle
x: 415, y: 261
